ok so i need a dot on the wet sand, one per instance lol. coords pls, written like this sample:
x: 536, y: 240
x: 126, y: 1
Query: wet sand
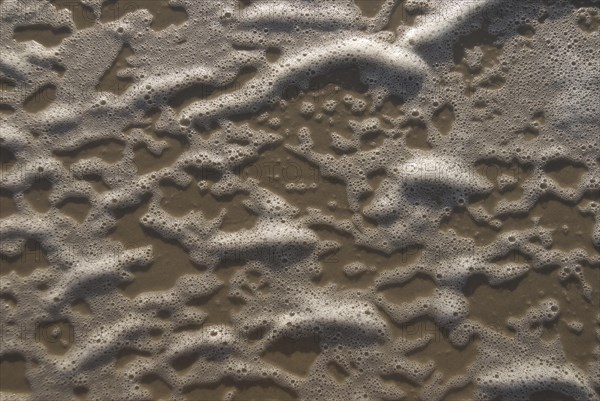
x: 275, y: 169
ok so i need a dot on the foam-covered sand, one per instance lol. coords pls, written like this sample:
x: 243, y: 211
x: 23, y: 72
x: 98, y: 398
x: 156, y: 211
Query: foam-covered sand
x: 505, y: 83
